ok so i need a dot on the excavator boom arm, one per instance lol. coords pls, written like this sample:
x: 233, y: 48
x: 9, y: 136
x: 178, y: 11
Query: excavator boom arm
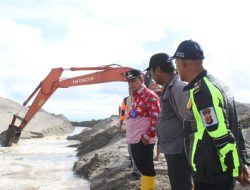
x: 52, y: 82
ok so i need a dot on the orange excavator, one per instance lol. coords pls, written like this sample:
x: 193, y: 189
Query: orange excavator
x: 50, y: 84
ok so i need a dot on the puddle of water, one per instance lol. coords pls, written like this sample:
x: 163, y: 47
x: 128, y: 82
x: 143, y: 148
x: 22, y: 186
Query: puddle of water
x: 40, y: 164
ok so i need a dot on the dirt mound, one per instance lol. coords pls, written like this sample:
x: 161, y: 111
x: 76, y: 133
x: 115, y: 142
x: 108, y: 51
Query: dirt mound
x: 42, y: 124
x: 103, y: 159
x: 243, y: 110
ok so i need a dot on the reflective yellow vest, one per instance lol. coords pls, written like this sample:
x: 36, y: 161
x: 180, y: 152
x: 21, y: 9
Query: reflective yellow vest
x: 208, y: 106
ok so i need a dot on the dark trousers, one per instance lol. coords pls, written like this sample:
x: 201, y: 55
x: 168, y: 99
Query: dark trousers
x: 223, y: 185
x: 179, y: 171
x: 143, y: 157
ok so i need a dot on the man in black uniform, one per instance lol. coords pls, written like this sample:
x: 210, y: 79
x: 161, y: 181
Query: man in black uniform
x: 214, y: 143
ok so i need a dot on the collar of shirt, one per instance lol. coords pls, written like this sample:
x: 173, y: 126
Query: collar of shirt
x: 171, y: 82
x: 141, y: 90
x: 173, y: 79
x: 195, y: 80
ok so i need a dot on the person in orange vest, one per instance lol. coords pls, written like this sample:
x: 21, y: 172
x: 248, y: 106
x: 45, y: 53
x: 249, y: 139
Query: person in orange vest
x: 122, y: 111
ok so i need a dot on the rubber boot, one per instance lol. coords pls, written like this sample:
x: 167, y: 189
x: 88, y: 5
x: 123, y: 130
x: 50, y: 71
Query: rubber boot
x: 147, y: 182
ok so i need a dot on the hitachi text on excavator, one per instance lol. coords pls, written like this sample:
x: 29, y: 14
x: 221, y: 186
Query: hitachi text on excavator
x: 53, y: 81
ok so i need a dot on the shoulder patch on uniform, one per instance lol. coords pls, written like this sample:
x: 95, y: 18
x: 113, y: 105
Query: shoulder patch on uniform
x: 197, y: 87
x: 208, y: 117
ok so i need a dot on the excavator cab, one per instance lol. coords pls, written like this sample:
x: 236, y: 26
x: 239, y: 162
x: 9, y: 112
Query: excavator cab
x: 103, y: 74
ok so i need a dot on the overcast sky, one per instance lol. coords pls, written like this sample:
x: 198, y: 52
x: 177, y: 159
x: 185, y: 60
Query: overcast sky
x: 38, y: 35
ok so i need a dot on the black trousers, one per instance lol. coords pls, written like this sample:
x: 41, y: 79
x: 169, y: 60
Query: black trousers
x: 179, y: 171
x: 222, y: 185
x: 143, y: 157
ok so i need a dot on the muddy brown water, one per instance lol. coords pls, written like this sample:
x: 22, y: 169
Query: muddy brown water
x: 40, y: 164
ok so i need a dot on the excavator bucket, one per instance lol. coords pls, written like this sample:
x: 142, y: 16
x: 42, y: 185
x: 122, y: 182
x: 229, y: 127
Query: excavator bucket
x: 9, y: 136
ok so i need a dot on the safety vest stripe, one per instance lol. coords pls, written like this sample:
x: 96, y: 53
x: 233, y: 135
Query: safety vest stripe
x: 223, y: 152
x: 217, y: 98
x: 200, y: 128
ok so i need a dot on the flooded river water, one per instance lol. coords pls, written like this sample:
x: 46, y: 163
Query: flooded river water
x: 40, y: 164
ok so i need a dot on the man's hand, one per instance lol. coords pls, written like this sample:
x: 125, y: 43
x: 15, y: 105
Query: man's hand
x: 144, y: 141
x: 244, y: 177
